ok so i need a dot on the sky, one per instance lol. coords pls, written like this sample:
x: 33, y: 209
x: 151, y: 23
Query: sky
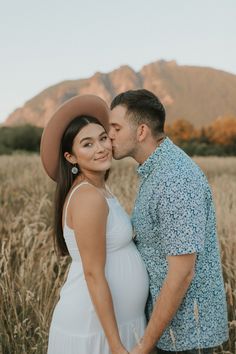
x: 45, y: 42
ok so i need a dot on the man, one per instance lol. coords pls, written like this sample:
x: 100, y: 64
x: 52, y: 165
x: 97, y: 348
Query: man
x: 174, y: 223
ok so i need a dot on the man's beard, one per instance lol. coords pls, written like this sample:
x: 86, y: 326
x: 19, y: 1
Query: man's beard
x: 131, y: 152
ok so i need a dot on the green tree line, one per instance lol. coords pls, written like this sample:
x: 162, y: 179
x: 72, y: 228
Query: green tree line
x: 218, y: 139
x: 21, y: 138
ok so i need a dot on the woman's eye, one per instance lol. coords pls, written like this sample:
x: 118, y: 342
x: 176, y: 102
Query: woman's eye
x: 88, y: 145
x: 117, y: 129
x: 104, y: 137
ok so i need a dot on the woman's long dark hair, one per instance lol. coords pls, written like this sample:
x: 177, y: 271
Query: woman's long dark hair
x: 65, y: 178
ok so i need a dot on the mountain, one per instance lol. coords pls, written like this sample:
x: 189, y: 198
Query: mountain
x: 197, y: 94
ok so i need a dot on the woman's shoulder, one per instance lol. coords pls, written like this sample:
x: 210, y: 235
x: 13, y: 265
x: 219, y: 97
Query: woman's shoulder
x: 87, y: 195
x: 83, y: 201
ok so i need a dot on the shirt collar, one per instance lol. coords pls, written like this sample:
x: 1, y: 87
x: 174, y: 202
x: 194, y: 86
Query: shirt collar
x: 155, y: 159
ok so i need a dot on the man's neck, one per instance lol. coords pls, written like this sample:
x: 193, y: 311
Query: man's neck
x: 147, y: 149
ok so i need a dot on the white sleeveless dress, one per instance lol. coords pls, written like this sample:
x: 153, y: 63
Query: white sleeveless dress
x: 75, y: 326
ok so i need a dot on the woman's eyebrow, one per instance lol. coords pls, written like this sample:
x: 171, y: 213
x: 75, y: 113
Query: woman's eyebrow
x: 89, y: 137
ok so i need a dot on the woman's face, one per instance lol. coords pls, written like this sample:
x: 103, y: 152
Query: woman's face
x: 92, y: 148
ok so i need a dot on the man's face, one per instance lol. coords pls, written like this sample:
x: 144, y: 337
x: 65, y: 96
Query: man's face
x: 122, y: 134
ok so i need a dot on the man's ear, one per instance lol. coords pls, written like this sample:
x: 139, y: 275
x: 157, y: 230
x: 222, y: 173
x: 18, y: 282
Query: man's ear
x: 142, y: 132
x: 70, y: 158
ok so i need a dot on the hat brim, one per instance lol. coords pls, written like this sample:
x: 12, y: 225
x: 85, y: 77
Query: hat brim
x: 89, y: 105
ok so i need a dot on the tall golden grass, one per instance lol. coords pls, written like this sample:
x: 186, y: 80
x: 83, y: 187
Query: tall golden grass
x: 31, y: 274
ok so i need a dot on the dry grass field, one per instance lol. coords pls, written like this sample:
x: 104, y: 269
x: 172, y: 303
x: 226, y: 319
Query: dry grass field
x: 30, y: 273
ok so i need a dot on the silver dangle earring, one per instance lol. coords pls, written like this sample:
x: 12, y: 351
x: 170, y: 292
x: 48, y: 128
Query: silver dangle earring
x: 74, y: 170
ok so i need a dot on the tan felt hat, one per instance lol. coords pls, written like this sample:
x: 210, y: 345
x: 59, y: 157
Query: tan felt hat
x: 89, y: 105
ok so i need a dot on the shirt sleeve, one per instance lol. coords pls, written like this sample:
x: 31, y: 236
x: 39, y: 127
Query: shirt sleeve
x: 182, y: 217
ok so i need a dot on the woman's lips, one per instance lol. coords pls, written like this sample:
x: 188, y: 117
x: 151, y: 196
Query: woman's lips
x: 102, y: 158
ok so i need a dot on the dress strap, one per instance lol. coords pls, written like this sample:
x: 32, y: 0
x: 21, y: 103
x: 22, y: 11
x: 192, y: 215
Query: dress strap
x: 68, y: 201
x: 109, y: 191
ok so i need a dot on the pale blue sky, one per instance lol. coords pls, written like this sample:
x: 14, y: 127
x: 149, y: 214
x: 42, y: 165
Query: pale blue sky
x: 45, y: 42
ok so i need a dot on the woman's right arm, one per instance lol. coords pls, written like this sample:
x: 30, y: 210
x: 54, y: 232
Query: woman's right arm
x: 89, y: 212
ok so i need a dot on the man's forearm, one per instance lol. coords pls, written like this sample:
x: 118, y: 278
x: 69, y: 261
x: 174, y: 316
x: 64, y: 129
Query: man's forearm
x: 167, y: 304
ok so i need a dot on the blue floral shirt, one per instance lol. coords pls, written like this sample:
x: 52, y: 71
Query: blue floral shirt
x: 174, y: 215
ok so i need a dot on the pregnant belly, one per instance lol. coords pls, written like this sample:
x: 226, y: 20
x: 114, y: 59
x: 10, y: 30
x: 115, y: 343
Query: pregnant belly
x: 128, y: 281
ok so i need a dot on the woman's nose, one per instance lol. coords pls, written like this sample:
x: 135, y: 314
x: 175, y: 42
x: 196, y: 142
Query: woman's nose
x: 99, y: 146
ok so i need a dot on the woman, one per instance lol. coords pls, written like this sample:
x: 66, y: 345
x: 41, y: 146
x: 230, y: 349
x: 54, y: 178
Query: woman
x: 101, y: 306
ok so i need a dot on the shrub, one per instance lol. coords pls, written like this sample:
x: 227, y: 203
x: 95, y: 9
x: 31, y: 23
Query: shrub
x: 24, y: 137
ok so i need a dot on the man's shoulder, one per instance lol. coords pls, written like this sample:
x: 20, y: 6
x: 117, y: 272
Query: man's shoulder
x: 178, y: 164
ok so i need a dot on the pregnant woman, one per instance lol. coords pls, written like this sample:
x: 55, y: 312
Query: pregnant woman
x: 101, y: 305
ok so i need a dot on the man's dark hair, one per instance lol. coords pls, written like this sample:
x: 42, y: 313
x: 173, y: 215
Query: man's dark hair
x: 143, y: 107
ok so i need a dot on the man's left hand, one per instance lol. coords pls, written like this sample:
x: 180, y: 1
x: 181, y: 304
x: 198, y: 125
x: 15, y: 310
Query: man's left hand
x: 138, y: 349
